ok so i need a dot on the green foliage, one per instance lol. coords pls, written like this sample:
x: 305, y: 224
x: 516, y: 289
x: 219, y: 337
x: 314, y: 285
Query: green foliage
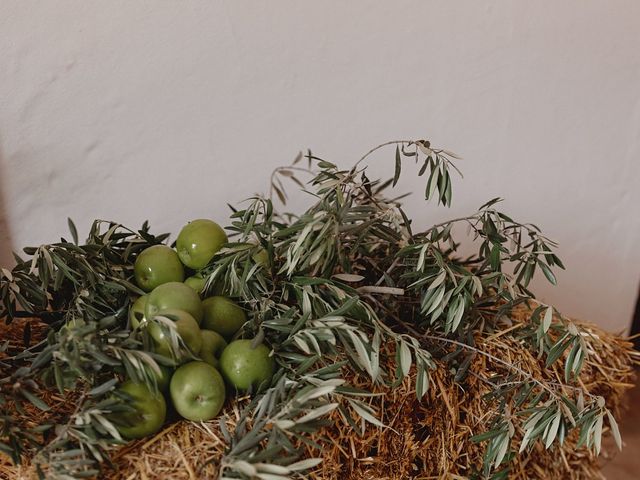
x: 344, y: 284
x: 83, y: 293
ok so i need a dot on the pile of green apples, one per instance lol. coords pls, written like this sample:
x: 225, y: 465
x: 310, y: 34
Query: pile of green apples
x: 206, y: 361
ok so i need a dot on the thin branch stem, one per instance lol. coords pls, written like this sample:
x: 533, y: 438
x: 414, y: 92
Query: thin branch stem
x: 284, y: 168
x: 455, y: 220
x: 503, y: 363
x: 393, y: 142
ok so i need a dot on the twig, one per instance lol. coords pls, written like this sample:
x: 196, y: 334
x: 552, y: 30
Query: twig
x: 393, y: 142
x: 284, y: 168
x: 503, y: 363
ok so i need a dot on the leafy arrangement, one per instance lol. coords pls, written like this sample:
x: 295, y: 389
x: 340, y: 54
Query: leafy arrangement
x: 337, y: 288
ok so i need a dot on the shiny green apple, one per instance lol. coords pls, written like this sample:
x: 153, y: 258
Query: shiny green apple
x: 136, y: 312
x: 149, y: 415
x: 174, y: 295
x: 197, y: 391
x: 198, y: 241
x: 245, y: 367
x: 212, y: 346
x: 196, y: 282
x: 157, y: 265
x: 222, y: 315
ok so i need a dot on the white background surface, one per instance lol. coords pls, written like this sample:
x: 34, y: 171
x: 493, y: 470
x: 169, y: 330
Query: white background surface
x: 167, y: 110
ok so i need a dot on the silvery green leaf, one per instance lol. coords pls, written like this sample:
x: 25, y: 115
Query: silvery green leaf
x: 49, y: 260
x: 381, y: 290
x: 477, y: 285
x: 7, y: 274
x: 108, y: 426
x: 434, y: 178
x: 375, y: 355
x: 546, y: 322
x: 569, y: 362
x: 336, y: 382
x: 405, y: 358
x: 562, y: 432
x: 244, y: 467
x: 305, y: 464
x: 553, y: 430
x: 302, y: 345
x: 615, y: 431
x: 348, y: 277
x: 577, y: 362
x: 438, y: 280
x: 567, y: 414
x: 315, y: 393
x: 223, y: 428
x: 502, y: 451
x: 365, y: 414
x: 317, y: 412
x: 148, y: 359
x: 35, y: 401
x: 573, y: 330
x: 272, y: 468
x: 529, y: 427
x: 459, y: 312
x: 398, y: 167
x: 435, y: 303
x: 332, y: 321
x: 306, y: 302
x: 103, y: 388
x: 421, y: 257
x: 597, y: 434
x: 311, y: 338
x: 284, y: 424
x: 422, y: 382
x: 316, y: 255
x: 362, y: 352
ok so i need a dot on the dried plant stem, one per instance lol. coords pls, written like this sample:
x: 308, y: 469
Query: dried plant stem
x: 393, y: 142
x: 510, y: 366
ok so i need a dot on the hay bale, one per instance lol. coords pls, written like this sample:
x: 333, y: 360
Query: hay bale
x: 424, y: 440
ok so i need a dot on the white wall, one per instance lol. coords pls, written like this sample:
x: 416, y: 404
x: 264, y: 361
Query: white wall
x: 167, y: 110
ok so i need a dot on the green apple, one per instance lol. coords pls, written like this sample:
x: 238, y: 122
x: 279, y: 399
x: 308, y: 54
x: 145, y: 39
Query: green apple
x: 157, y: 265
x: 174, y: 295
x: 198, y: 241
x: 149, y: 415
x: 245, y: 367
x: 186, y: 327
x: 212, y: 346
x: 136, y: 312
x: 222, y: 315
x: 196, y: 282
x: 197, y: 391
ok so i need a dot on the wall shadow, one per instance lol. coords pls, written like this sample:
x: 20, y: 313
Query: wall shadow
x: 6, y: 245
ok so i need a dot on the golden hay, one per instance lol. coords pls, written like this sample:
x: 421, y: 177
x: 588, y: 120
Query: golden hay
x: 425, y: 440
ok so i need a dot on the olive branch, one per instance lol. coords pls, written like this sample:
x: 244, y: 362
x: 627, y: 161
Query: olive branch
x: 337, y: 288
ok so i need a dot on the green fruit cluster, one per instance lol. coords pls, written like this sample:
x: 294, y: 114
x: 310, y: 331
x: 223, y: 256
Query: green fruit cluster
x: 190, y: 333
